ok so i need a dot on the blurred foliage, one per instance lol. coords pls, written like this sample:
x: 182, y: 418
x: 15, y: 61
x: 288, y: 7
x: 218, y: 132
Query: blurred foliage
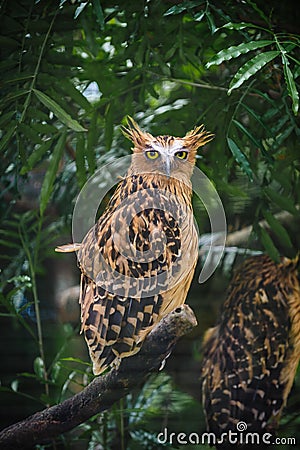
x: 72, y: 72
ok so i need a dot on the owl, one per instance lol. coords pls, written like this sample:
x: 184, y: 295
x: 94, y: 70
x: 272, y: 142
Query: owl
x: 251, y: 355
x: 138, y: 260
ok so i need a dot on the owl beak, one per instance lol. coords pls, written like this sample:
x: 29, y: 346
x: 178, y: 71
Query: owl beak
x: 167, y: 166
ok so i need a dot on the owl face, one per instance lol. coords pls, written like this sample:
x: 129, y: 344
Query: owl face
x: 168, y: 155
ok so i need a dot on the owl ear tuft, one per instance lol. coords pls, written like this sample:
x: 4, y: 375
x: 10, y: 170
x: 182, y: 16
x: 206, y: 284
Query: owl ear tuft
x: 133, y: 132
x: 197, y: 137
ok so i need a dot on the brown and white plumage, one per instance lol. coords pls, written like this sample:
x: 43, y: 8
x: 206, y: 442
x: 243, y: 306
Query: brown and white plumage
x: 251, y: 355
x: 150, y: 214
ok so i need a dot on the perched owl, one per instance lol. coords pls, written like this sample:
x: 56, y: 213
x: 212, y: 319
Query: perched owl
x: 138, y: 260
x: 251, y: 355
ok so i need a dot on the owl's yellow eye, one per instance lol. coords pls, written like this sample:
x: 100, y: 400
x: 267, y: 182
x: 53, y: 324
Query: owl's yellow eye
x: 152, y: 154
x: 181, y: 154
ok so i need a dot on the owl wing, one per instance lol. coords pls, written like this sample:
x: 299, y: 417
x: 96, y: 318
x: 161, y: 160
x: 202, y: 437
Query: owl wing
x: 127, y: 267
x: 244, y: 357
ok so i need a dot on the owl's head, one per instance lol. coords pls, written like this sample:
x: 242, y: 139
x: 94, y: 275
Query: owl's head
x: 168, y: 155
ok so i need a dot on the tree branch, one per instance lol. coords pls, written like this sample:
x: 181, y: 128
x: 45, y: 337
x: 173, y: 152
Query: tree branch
x: 241, y: 237
x: 104, y: 390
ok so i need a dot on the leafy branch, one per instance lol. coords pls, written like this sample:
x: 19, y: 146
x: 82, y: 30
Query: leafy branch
x: 37, y: 67
x: 255, y: 64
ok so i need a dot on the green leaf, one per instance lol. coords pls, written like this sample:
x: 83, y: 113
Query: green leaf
x: 278, y: 229
x: 284, y: 135
x: 44, y: 128
x: 6, y: 118
x: 13, y: 234
x: 36, y: 156
x: 58, y: 111
x: 77, y: 360
x: 280, y: 200
x: 35, y: 114
x: 109, y: 125
x: 7, y: 137
x: 251, y: 68
x: 268, y: 244
x: 183, y: 6
x: 247, y: 133
x: 238, y: 26
x: 241, y: 158
x: 271, y: 113
x: 55, y: 372
x: 30, y: 133
x: 66, y: 384
x: 39, y: 367
x: 252, y: 139
x: 199, y: 16
x: 80, y: 161
x: 15, y: 95
x: 15, y: 385
x: 79, y: 9
x: 281, y: 122
x: 291, y: 85
x: 163, y: 64
x: 99, y: 13
x: 3, y: 388
x: 69, y: 89
x: 50, y: 175
x: 9, y: 243
x: 13, y: 78
x: 211, y: 22
x: 92, y: 138
x: 235, y: 51
x: 258, y: 118
x: 297, y: 72
x: 259, y: 11
x: 284, y: 178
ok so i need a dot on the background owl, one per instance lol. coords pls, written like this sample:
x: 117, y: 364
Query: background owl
x: 251, y: 355
x: 138, y: 260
